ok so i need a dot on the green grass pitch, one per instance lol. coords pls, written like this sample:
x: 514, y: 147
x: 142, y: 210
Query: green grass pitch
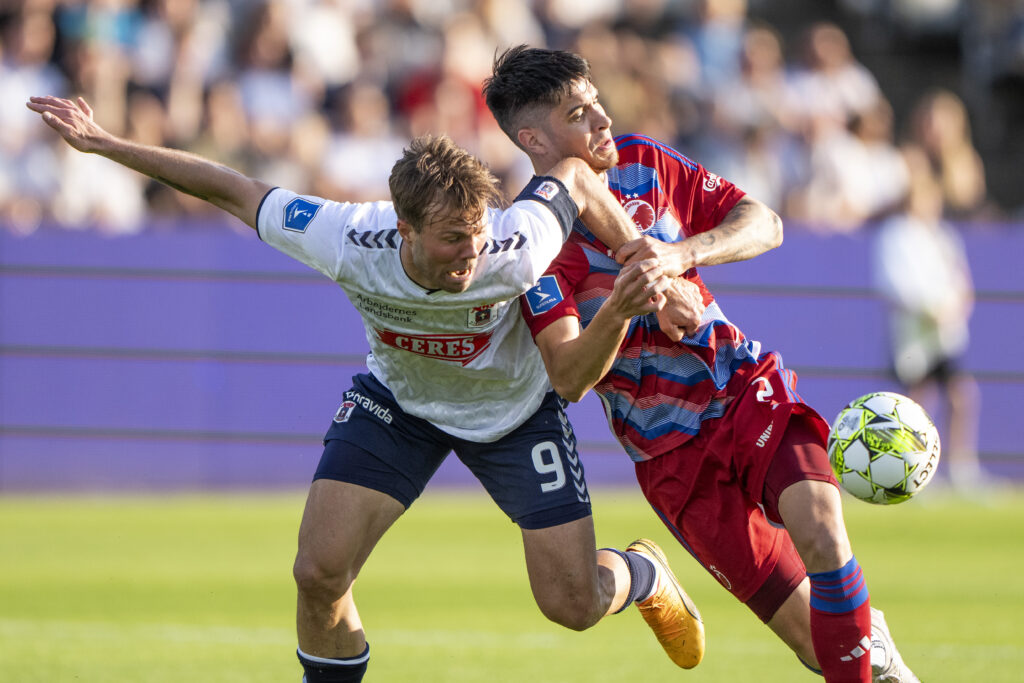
x: 198, y: 589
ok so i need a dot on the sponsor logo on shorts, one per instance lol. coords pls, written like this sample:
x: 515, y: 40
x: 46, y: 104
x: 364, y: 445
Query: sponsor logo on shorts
x: 544, y: 295
x: 722, y: 578
x: 354, y: 398
x: 458, y: 348
x: 344, y: 412
x: 765, y: 435
x: 711, y: 182
x: 299, y: 213
x: 546, y: 190
x: 480, y: 316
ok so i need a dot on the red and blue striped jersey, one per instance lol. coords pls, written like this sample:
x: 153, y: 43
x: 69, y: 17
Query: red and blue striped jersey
x: 658, y: 392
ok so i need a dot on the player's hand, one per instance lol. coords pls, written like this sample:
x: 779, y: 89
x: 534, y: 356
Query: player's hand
x: 683, y: 311
x: 675, y: 258
x: 638, y: 289
x: 73, y: 120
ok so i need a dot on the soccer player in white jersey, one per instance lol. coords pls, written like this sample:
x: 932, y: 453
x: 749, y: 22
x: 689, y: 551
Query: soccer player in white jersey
x: 435, y: 274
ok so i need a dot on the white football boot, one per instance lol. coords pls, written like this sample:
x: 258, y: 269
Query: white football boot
x: 886, y: 663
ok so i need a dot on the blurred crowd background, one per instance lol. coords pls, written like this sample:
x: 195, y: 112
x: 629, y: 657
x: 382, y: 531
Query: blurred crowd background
x: 824, y: 110
x: 897, y: 122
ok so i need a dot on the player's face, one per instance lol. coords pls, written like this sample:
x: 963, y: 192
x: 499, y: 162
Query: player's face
x: 443, y: 254
x: 579, y: 127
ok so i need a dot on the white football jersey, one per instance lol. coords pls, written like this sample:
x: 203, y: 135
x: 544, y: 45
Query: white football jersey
x: 463, y: 361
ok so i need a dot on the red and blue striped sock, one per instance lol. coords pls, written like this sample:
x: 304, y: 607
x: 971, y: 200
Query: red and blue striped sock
x: 841, y: 624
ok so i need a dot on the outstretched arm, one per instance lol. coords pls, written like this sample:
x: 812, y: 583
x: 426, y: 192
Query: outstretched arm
x: 221, y: 186
x: 748, y: 230
x: 577, y: 360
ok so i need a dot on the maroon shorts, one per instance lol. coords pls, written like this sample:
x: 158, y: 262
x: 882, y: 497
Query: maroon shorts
x: 718, y: 493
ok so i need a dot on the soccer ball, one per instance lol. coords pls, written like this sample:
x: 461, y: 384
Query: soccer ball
x: 883, y: 448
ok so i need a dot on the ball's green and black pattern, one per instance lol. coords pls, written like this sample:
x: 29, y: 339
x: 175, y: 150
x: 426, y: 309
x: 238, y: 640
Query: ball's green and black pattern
x: 883, y: 448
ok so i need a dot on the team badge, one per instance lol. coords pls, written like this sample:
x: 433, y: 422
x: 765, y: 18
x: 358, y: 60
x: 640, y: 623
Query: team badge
x: 299, y: 213
x: 641, y: 212
x: 344, y: 412
x: 480, y: 316
x: 546, y: 190
x: 544, y: 295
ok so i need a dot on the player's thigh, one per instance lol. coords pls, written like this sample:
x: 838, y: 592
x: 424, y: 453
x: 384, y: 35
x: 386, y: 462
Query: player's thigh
x: 373, y: 443
x: 534, y: 474
x: 700, y: 499
x: 813, y: 513
x: 341, y: 524
x: 376, y: 462
x: 801, y: 491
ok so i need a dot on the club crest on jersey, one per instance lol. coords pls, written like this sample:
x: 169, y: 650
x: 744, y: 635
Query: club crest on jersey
x: 480, y: 316
x: 546, y: 190
x: 641, y: 212
x: 344, y: 412
x: 711, y: 182
x: 299, y: 213
x: 544, y: 295
x: 457, y: 348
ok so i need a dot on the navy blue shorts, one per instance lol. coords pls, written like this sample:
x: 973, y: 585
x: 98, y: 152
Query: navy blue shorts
x: 533, y: 473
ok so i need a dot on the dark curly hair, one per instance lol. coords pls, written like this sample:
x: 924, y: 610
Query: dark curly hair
x: 526, y: 80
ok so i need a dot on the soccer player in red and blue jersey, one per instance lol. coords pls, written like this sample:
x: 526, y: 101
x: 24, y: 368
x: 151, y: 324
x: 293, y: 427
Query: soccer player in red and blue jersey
x: 729, y: 456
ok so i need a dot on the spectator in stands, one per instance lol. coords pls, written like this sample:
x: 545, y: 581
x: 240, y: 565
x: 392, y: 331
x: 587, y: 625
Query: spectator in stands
x: 939, y: 125
x: 922, y: 272
x: 363, y: 138
x: 831, y: 85
x: 751, y: 136
x: 717, y: 33
x: 182, y: 47
x: 273, y: 94
x: 855, y: 174
x: 28, y: 162
x: 695, y: 74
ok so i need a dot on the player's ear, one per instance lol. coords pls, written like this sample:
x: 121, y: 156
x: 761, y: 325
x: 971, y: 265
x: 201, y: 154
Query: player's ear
x: 532, y: 140
x: 405, y: 229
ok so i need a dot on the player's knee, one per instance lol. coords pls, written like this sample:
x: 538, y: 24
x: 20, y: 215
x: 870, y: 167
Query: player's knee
x: 316, y: 581
x: 826, y: 550
x: 577, y: 615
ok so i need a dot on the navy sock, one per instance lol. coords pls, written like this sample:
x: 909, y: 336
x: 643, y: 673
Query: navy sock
x: 323, y: 670
x: 641, y: 577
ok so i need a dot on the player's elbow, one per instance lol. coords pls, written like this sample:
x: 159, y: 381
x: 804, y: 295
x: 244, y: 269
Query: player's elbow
x: 571, y: 395
x: 568, y: 389
x: 774, y: 232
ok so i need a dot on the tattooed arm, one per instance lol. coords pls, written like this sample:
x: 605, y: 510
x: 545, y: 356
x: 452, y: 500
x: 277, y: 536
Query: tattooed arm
x: 748, y: 230
x: 223, y: 187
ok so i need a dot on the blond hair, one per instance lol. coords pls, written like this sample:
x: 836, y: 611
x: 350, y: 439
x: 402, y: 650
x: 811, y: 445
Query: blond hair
x: 435, y: 178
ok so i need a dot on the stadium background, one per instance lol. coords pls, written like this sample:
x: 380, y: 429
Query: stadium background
x: 175, y: 375
x: 147, y: 342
